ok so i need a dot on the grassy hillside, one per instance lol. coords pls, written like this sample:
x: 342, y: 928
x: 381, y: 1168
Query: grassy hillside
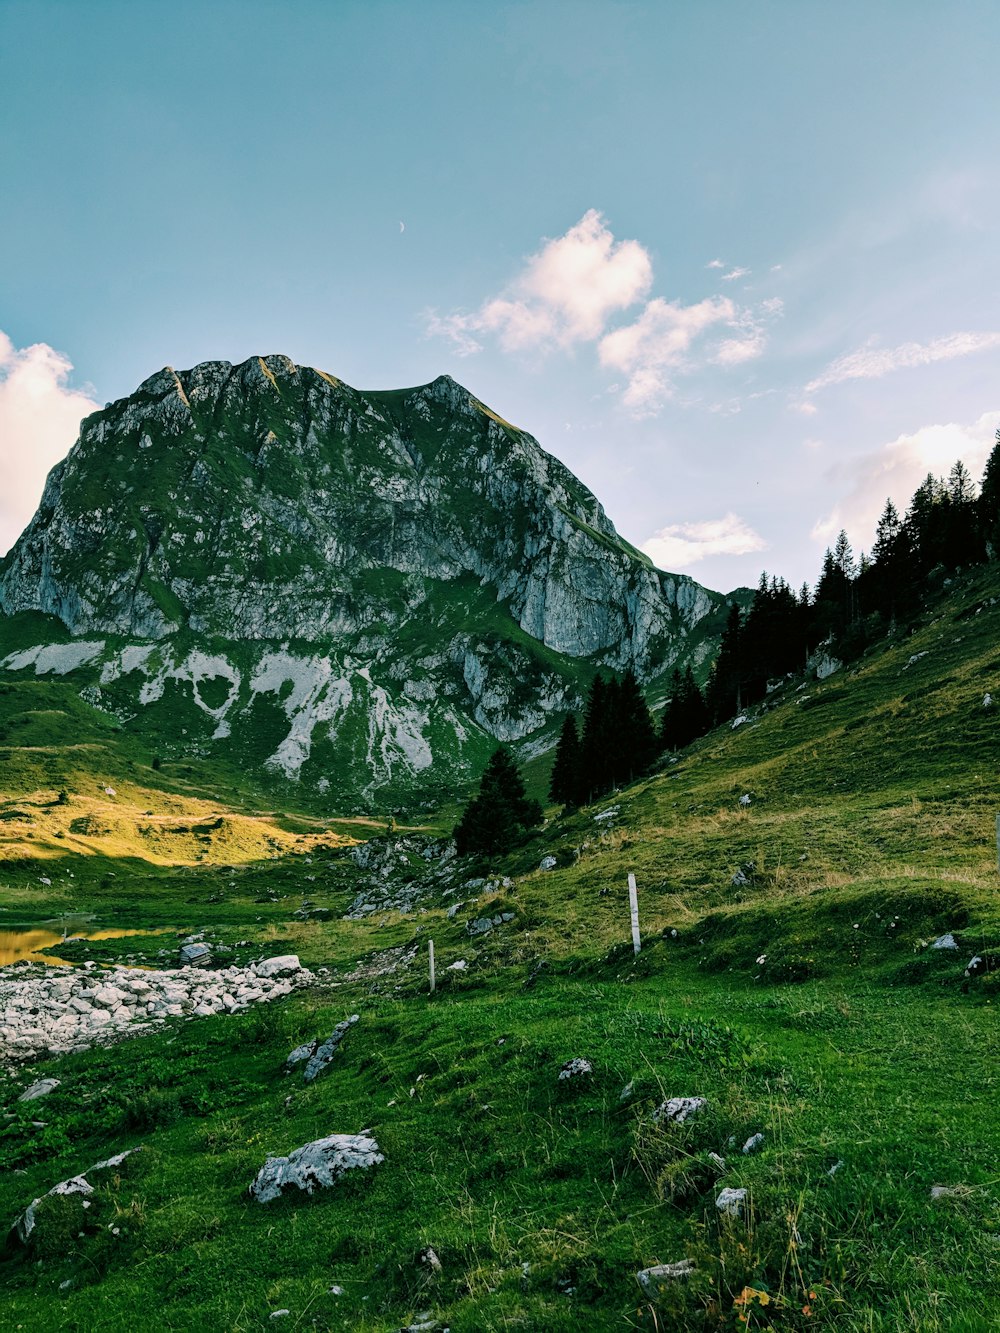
x: 786, y: 977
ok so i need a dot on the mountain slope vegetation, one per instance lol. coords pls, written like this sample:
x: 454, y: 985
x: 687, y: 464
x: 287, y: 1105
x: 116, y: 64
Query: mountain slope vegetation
x: 794, y: 872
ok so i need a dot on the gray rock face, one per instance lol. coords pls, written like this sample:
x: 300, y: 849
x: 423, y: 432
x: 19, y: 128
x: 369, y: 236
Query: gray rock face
x: 316, y: 1165
x: 265, y: 504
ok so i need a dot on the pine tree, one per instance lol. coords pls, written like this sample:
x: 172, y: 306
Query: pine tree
x: 565, y: 785
x: 501, y: 814
x: 988, y: 506
x: 635, y: 740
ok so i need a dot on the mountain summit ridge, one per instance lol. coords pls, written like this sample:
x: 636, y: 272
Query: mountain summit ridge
x: 413, y: 534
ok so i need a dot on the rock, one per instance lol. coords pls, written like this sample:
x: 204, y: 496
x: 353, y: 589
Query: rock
x: 731, y: 1202
x: 626, y: 1093
x: 481, y: 926
x: 987, y: 700
x: 980, y: 964
x: 745, y: 800
x: 752, y: 1144
x: 278, y: 967
x: 948, y: 1191
x: 39, y: 1089
x: 25, y: 1224
x: 678, y: 1109
x: 576, y: 1068
x: 316, y: 1165
x: 738, y: 721
x: 429, y: 1257
x: 280, y: 1314
x: 459, y: 966
x: 653, y: 1280
x: 945, y: 942
x: 301, y: 1053
x: 547, y: 863
x: 324, y: 1053
x: 717, y: 1161
x: 195, y: 953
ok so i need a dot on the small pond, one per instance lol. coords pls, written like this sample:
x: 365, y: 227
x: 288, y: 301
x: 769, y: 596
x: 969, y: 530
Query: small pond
x: 19, y: 943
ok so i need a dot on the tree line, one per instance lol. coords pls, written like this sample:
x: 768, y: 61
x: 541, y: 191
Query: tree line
x: 950, y: 524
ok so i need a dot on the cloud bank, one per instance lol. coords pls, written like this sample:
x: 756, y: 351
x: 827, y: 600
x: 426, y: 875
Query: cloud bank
x: 573, y: 290
x: 896, y: 470
x: 39, y: 421
x: 680, y: 545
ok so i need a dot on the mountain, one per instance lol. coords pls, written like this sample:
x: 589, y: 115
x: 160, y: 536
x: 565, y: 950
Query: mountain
x: 364, y: 590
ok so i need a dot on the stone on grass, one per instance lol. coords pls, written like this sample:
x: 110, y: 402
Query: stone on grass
x: 325, y: 1053
x: 39, y: 1089
x: 316, y: 1165
x: 428, y: 1256
x: 731, y: 1202
x: 301, y: 1053
x: 652, y: 1280
x: 948, y: 1191
x: 25, y: 1224
x: 945, y: 942
x: 576, y: 1068
x: 677, y: 1110
x: 278, y: 967
x: 752, y: 1144
x: 459, y: 966
x: 547, y: 863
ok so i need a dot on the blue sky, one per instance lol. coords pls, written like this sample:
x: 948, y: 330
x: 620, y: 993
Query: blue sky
x: 736, y: 265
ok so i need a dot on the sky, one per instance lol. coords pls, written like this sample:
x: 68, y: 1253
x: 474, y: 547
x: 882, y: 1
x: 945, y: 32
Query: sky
x: 735, y: 265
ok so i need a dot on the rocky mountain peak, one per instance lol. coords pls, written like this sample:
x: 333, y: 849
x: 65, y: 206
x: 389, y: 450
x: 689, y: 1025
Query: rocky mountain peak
x: 419, y: 551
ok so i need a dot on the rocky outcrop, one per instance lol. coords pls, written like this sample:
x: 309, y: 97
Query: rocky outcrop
x: 316, y: 1165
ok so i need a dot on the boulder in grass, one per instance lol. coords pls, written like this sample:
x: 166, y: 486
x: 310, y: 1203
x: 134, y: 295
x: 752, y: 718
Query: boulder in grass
x: 279, y: 967
x: 316, y: 1165
x: 653, y: 1280
x: 39, y: 1089
x: 24, y: 1225
x: 731, y: 1202
x: 578, y: 1067
x: 677, y: 1110
x: 324, y: 1053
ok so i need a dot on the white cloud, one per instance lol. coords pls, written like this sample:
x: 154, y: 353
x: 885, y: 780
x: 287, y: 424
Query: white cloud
x: 658, y: 341
x: 682, y: 544
x: 896, y: 470
x: 39, y: 421
x: 872, y: 362
x: 715, y: 263
x: 734, y: 274
x: 565, y: 293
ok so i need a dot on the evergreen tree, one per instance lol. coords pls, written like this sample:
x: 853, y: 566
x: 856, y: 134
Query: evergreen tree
x: 565, y: 785
x: 671, y: 724
x: 634, y: 737
x: 988, y: 505
x: 594, y: 742
x: 724, y: 692
x: 501, y: 814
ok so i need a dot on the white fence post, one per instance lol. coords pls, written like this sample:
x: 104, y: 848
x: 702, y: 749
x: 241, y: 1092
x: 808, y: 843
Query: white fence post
x: 430, y: 957
x: 633, y: 902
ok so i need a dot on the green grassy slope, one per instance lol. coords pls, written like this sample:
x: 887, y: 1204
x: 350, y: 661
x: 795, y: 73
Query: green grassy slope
x: 801, y: 1001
